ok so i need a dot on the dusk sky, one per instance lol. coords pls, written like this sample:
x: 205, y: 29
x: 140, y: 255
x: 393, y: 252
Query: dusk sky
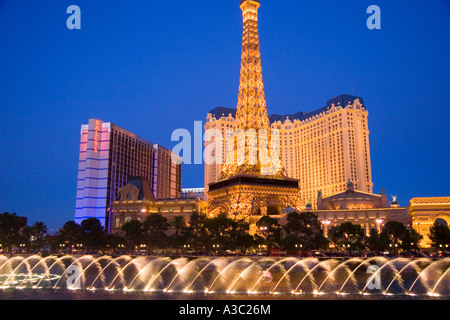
x: 152, y: 67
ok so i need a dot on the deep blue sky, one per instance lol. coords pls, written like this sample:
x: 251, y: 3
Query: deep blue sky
x: 154, y: 66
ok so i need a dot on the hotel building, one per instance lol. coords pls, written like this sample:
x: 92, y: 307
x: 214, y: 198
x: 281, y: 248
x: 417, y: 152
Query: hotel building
x: 323, y: 149
x: 109, y: 155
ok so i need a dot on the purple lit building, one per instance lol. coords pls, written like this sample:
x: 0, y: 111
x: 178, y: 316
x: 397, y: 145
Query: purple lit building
x: 109, y: 155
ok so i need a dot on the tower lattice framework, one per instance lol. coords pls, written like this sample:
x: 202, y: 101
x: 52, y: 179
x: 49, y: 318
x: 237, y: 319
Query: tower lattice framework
x: 251, y: 151
x: 253, y: 181
x: 251, y: 107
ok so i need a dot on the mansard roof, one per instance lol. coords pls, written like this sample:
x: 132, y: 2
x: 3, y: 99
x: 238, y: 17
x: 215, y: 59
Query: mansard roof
x: 343, y: 101
x: 145, y: 191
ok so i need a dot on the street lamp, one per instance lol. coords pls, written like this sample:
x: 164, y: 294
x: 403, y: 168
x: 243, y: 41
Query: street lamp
x: 325, y: 224
x: 264, y: 231
x: 379, y: 223
x: 297, y: 246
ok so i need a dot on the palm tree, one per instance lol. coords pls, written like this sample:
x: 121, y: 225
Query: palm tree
x: 38, y: 232
x: 440, y: 235
x: 270, y: 231
x: 395, y: 231
x: 92, y: 234
x: 304, y: 229
x: 10, y: 226
x: 39, y: 229
x: 196, y: 232
x: 70, y: 234
x: 134, y: 233
x: 411, y: 239
x: 348, y: 235
x: 155, y: 227
x: 178, y: 224
x: 220, y: 231
x: 26, y: 233
x: 115, y: 243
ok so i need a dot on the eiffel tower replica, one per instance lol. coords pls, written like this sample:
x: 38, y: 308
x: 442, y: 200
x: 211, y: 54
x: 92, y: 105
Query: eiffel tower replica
x: 253, y: 181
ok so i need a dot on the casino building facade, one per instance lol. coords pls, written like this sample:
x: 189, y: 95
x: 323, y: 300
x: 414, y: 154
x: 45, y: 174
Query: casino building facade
x: 135, y: 201
x: 370, y: 211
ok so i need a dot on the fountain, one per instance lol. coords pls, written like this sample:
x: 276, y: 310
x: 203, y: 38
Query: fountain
x: 221, y: 275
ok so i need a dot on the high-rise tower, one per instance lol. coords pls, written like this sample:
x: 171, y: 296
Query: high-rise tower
x: 109, y: 155
x: 252, y: 151
x: 251, y: 107
x: 252, y: 182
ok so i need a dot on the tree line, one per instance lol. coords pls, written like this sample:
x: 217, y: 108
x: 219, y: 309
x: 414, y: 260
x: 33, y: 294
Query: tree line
x: 299, y: 232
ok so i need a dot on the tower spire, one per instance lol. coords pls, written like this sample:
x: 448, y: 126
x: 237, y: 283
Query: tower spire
x: 251, y: 108
x: 252, y: 150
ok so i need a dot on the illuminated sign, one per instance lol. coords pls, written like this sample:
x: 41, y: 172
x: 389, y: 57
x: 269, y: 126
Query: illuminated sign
x: 96, y: 135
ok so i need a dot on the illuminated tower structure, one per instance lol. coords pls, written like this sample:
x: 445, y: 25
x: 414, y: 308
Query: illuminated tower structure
x: 324, y: 148
x: 252, y: 181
